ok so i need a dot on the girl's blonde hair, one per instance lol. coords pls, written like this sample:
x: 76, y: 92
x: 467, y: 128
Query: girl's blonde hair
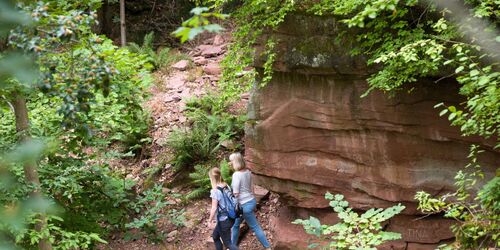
x: 215, y: 177
x: 237, y: 160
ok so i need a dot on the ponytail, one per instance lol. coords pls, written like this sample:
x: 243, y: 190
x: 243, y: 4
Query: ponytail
x: 215, y: 177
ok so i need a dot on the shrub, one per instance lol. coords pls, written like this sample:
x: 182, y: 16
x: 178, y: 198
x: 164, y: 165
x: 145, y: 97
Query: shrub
x: 149, y: 205
x: 192, y: 146
x: 177, y: 217
x: 45, y: 122
x: 196, y: 149
x: 212, y: 126
x: 94, y: 200
x: 62, y: 239
x: 476, y: 208
x: 355, y: 231
x: 119, y: 116
x: 199, y: 179
x: 226, y: 171
x: 210, y: 104
x: 159, y: 59
x: 91, y: 200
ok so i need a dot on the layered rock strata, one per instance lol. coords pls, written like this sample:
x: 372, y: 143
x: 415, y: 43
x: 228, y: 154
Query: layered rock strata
x: 310, y: 132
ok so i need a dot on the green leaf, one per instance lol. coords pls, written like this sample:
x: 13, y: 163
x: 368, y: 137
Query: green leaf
x: 483, y: 81
x: 194, y: 32
x: 313, y: 245
x: 328, y: 196
x: 474, y: 72
x: 316, y: 225
x: 213, y: 28
x: 439, y: 105
x: 198, y: 10
x: 448, y: 62
x: 459, y: 69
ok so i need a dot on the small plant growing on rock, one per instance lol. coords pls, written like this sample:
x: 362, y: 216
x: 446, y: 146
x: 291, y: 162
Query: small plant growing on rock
x: 354, y: 231
x: 474, y: 205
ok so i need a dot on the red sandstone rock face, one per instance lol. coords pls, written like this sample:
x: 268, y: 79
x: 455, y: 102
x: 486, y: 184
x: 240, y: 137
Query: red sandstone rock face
x: 291, y: 236
x: 416, y: 229
x: 310, y: 132
x: 313, y: 134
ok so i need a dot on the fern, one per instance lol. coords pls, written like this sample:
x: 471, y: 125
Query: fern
x: 197, y: 193
x: 148, y: 40
x: 200, y: 176
x: 192, y: 146
x: 135, y: 48
x: 164, y: 58
x: 159, y: 59
x: 200, y: 179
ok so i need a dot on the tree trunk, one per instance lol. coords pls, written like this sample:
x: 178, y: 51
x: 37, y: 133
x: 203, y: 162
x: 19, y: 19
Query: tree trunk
x: 30, y: 167
x: 123, y: 31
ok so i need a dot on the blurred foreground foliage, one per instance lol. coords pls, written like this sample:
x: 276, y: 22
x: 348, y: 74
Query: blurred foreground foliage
x: 83, y: 97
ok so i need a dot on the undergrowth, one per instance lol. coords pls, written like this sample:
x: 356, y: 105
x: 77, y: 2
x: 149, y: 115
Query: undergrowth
x: 213, y: 133
x: 92, y: 199
x: 159, y: 58
x: 353, y: 231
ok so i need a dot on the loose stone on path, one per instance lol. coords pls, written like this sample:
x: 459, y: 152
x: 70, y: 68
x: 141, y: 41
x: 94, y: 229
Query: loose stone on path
x: 181, y: 65
x: 212, y: 69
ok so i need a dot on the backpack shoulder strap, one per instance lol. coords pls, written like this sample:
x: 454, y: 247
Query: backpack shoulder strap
x: 221, y: 190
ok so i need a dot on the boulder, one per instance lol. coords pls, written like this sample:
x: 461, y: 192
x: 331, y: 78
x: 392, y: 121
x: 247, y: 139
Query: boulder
x: 315, y: 134
x: 218, y: 40
x: 210, y: 50
x: 415, y: 229
x: 260, y: 193
x: 181, y: 65
x: 309, y: 132
x: 212, y: 69
x: 288, y: 236
x: 200, y: 60
x: 418, y: 246
x: 176, y: 82
x: 393, y: 245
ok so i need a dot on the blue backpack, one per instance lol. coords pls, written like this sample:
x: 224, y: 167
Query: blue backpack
x: 232, y: 208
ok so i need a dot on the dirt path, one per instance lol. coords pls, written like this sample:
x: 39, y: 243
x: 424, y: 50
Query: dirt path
x: 191, y: 77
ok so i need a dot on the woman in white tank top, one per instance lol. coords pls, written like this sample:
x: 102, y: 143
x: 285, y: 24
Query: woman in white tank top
x: 243, y: 189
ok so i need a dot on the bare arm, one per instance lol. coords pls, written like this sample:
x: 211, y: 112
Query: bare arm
x: 213, y: 209
x: 252, y: 187
x: 236, y: 185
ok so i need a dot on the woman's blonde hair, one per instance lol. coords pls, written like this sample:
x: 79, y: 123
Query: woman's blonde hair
x: 215, y: 177
x: 237, y: 160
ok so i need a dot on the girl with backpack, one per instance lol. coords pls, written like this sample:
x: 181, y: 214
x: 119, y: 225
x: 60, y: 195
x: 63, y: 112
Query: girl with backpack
x: 223, y: 223
x: 243, y: 190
